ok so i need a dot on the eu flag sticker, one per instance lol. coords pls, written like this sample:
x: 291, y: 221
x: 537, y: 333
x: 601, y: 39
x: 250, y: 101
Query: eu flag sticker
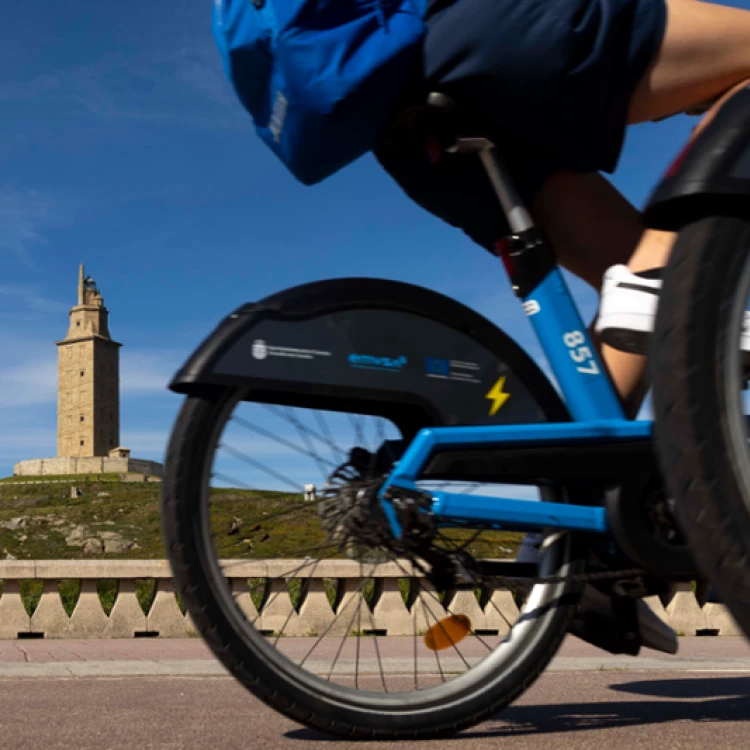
x: 437, y: 367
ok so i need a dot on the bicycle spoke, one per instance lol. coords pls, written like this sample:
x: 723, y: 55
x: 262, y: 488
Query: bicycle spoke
x: 328, y: 438
x: 341, y: 645
x: 291, y: 609
x: 377, y: 651
x: 434, y: 651
x: 259, y: 465
x: 302, y: 431
x: 279, y: 412
x: 480, y: 584
x: 434, y: 596
x: 288, y: 574
x: 359, y: 630
x: 286, y: 443
x: 356, y: 422
x: 324, y: 634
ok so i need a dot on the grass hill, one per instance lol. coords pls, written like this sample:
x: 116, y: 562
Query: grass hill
x: 121, y: 520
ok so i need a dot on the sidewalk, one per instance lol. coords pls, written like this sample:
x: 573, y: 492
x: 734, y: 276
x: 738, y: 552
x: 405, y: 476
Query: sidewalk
x: 190, y: 657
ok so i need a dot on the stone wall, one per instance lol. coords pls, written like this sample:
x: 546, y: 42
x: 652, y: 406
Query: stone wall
x: 390, y: 615
x: 86, y: 465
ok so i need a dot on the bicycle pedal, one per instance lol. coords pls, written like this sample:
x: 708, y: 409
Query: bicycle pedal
x: 621, y: 625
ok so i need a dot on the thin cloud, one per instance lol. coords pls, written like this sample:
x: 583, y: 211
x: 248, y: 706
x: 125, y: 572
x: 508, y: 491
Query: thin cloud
x: 34, y: 379
x: 23, y: 443
x: 157, y: 85
x: 27, y: 383
x: 24, y: 298
x: 27, y: 215
x: 147, y: 371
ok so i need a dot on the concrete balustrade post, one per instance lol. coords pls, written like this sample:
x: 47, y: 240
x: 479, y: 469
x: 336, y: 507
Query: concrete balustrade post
x: 684, y: 613
x: 390, y: 613
x: 165, y: 616
x: 349, y: 595
x: 14, y: 618
x: 426, y: 607
x: 466, y: 603
x: 88, y: 619
x: 501, y: 611
x: 278, y: 616
x: 657, y: 607
x: 719, y: 618
x: 50, y: 617
x: 126, y: 618
x: 315, y: 611
x: 241, y: 594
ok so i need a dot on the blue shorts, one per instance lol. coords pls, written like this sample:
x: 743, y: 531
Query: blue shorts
x: 554, y: 76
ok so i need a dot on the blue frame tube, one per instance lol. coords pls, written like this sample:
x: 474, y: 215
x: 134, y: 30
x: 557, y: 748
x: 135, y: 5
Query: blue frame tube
x: 587, y: 389
x: 592, y: 403
x: 508, y: 513
x: 526, y: 515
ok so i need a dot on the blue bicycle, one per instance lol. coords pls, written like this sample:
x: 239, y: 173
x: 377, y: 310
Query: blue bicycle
x: 367, y: 425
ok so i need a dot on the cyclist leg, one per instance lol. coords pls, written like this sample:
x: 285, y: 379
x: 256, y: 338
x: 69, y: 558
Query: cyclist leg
x: 704, y: 56
x: 705, y: 51
x: 591, y: 227
x: 577, y: 240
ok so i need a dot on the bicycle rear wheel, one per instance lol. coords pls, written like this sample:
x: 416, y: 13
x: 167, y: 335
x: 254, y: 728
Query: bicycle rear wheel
x: 701, y: 400
x: 355, y: 669
x: 282, y: 559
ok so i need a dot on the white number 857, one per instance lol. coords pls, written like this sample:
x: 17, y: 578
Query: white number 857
x: 578, y: 353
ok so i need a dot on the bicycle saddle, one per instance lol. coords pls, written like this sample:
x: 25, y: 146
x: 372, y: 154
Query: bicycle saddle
x: 437, y: 117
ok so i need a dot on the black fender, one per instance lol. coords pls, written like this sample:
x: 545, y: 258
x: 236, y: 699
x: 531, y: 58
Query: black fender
x: 373, y: 346
x: 711, y: 176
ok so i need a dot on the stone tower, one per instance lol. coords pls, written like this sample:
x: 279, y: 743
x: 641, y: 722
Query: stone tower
x: 88, y: 379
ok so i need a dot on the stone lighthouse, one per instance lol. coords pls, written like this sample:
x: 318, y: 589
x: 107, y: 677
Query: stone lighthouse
x: 88, y: 379
x: 88, y: 398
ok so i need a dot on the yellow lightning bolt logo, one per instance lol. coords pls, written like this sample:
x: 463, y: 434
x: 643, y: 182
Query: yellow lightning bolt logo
x: 497, y: 396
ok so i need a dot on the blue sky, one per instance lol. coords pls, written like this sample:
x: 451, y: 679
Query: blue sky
x: 122, y: 146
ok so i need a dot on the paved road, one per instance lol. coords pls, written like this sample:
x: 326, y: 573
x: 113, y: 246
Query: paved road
x: 172, y: 695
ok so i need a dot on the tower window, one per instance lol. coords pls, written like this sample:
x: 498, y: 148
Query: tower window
x: 81, y: 442
x: 81, y: 373
x: 81, y: 419
x: 78, y: 323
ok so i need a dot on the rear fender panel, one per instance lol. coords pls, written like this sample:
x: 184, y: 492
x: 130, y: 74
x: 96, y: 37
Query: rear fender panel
x: 374, y: 347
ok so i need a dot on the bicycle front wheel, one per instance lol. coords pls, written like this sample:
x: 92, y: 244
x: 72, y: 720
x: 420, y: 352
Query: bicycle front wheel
x: 700, y: 379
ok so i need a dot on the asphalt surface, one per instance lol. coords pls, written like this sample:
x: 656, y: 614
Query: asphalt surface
x: 172, y: 695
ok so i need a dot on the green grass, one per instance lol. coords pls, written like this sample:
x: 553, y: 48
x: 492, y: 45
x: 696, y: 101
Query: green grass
x: 130, y: 510
x: 246, y: 524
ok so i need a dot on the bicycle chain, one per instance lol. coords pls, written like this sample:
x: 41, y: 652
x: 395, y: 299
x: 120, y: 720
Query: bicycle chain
x: 625, y: 573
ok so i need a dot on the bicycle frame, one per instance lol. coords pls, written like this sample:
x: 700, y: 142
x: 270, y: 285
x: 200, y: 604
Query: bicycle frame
x: 587, y: 389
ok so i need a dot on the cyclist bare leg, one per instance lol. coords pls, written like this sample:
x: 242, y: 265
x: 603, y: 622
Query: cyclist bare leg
x: 705, y: 56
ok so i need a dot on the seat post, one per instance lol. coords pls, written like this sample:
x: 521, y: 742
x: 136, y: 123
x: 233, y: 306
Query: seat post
x: 518, y: 217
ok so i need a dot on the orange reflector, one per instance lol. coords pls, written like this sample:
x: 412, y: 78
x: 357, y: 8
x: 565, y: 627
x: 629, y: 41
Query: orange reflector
x: 447, y: 632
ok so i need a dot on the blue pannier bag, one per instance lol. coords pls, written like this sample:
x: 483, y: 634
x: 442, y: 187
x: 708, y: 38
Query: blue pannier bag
x: 319, y: 77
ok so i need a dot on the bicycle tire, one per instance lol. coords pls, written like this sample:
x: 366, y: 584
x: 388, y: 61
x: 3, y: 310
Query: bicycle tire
x: 253, y: 663
x: 695, y: 424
